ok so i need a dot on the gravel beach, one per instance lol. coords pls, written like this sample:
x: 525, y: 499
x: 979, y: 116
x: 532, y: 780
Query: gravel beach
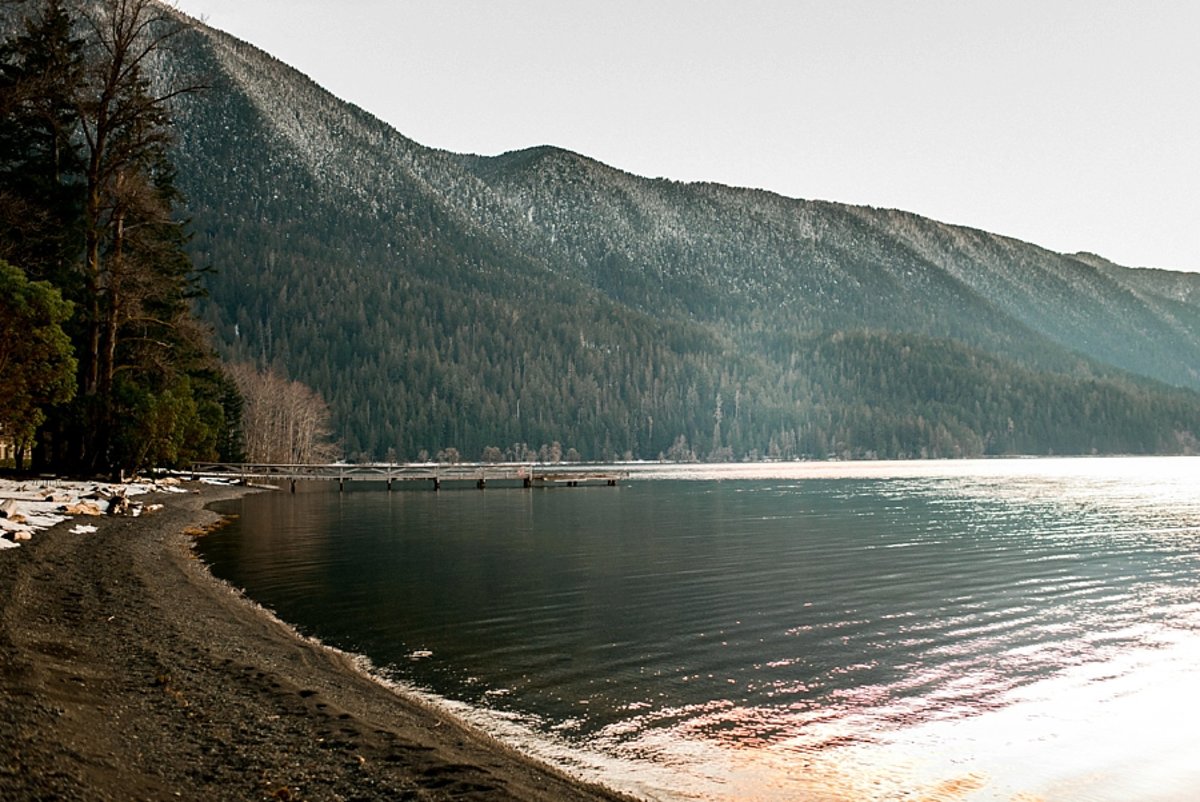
x: 128, y: 672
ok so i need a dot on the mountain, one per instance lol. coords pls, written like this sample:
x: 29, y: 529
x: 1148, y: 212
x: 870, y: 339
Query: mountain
x: 445, y: 300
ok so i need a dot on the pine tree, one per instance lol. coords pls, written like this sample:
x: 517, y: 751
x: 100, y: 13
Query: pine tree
x: 41, y: 191
x: 35, y: 355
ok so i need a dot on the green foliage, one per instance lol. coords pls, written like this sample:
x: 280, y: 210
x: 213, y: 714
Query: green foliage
x: 37, y: 367
x: 150, y: 427
x: 900, y: 395
x: 87, y: 199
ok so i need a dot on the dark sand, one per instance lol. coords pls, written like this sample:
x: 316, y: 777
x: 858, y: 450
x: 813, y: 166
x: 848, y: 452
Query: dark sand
x: 128, y: 672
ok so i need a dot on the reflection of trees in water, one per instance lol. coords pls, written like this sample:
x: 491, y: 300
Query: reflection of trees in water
x: 273, y: 527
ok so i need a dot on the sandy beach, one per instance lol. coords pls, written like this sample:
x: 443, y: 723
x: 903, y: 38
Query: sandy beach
x: 128, y: 672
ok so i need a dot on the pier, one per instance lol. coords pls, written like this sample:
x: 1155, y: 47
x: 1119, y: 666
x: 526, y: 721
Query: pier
x: 434, y: 475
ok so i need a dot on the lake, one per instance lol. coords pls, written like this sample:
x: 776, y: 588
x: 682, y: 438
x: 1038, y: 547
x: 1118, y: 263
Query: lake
x: 961, y: 630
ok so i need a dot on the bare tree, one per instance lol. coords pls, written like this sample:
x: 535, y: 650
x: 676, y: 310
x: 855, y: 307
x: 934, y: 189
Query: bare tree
x: 284, y: 422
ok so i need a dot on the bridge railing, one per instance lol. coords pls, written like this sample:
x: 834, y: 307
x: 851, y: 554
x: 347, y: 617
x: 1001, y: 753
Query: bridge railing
x: 473, y: 471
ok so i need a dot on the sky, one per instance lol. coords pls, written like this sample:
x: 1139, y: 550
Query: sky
x: 1071, y: 124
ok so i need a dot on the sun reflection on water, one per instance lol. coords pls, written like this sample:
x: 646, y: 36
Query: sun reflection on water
x: 1112, y: 724
x: 1113, y: 731
x: 960, y: 631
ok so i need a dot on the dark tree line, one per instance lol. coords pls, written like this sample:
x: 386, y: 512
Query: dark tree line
x: 417, y: 357
x: 353, y: 259
x: 88, y: 204
x: 432, y: 329
x: 444, y: 342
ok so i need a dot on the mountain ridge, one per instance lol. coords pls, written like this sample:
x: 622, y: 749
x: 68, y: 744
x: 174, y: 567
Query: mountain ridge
x: 302, y: 200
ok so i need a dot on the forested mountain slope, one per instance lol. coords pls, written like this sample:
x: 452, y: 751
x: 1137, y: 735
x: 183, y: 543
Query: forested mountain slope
x: 757, y: 258
x: 442, y: 300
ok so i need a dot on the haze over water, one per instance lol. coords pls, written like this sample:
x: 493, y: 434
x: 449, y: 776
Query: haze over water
x: 976, y: 630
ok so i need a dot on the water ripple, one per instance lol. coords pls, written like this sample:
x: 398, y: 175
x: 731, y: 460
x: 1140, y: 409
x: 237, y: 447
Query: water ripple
x: 962, y: 631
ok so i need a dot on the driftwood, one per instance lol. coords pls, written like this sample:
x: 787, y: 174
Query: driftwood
x: 8, y: 508
x: 82, y: 508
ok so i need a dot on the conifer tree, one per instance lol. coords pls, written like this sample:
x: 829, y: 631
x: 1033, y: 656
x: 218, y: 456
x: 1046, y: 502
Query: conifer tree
x: 35, y: 355
x: 88, y: 200
x: 41, y: 190
x: 132, y: 246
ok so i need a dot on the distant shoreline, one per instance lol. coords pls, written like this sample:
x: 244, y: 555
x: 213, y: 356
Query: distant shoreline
x: 128, y: 671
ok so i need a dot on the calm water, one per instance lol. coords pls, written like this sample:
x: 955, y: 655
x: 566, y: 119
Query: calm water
x: 998, y: 630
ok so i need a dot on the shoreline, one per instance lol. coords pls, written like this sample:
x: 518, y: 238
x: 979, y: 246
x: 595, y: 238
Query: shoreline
x: 128, y: 671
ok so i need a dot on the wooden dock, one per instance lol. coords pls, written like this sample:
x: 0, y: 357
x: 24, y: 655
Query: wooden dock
x: 434, y: 475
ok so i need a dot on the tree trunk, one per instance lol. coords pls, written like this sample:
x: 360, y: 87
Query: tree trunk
x: 111, y: 311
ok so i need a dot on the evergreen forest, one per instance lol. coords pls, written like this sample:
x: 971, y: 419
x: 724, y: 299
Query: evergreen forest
x: 256, y: 238
x: 540, y: 302
x: 104, y: 366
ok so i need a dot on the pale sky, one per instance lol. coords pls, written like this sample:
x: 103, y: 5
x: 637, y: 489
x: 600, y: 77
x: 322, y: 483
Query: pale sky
x: 1071, y: 124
